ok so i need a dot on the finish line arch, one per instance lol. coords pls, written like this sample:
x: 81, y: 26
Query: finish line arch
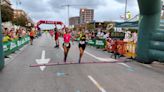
x: 49, y: 22
x: 150, y: 46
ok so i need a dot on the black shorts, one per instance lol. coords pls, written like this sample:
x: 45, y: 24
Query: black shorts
x: 32, y: 37
x: 68, y: 45
x: 82, y: 46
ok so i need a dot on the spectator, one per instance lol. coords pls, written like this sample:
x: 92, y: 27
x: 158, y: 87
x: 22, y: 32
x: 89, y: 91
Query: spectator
x: 11, y: 34
x: 101, y: 34
x: 98, y: 33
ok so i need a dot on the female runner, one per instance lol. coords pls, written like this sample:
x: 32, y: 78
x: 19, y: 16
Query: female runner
x: 82, y: 44
x: 66, y: 44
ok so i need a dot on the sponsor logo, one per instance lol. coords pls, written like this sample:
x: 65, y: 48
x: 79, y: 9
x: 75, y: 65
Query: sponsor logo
x: 19, y: 43
x: 5, y: 48
x: 99, y: 42
x: 91, y: 42
x: 12, y: 45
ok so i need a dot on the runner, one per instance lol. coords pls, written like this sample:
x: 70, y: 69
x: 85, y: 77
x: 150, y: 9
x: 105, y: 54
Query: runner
x: 56, y: 37
x: 66, y: 44
x: 32, y: 35
x: 82, y: 44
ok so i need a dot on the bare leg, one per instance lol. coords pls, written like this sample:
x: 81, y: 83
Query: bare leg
x: 65, y: 53
x: 57, y: 43
x: 31, y: 41
x: 81, y: 54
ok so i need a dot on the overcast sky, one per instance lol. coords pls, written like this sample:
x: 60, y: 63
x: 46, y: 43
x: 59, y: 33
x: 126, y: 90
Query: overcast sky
x: 105, y: 10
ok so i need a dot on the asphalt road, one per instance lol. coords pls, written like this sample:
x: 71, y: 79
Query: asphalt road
x: 17, y: 76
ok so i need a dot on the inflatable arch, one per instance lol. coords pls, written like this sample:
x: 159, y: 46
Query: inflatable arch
x: 49, y: 22
x: 150, y: 46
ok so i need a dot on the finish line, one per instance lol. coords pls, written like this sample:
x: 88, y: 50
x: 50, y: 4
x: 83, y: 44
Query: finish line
x: 69, y: 63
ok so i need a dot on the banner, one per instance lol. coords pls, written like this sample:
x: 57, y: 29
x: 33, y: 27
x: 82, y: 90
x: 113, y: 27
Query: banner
x: 12, y: 46
x: 119, y: 35
x: 127, y: 24
x: 98, y: 43
x: 91, y: 42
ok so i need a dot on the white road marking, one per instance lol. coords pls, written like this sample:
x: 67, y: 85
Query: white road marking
x: 97, y: 84
x: 147, y: 65
x: 99, y: 58
x: 43, y: 60
x: 125, y: 65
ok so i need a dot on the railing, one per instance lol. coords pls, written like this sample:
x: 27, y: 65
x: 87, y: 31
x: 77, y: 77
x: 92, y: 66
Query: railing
x: 12, y: 46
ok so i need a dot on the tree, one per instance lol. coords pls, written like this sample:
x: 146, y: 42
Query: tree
x: 90, y: 26
x: 20, y: 21
x: 7, y: 13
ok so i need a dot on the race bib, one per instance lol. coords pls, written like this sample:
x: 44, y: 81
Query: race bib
x: 82, y: 42
x: 66, y: 44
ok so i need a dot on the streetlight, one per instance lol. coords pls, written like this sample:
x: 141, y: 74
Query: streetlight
x: 126, y: 1
x: 1, y: 44
x: 94, y: 23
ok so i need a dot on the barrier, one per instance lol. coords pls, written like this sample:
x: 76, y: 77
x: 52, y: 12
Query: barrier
x: 121, y: 47
x: 109, y: 46
x: 91, y: 42
x: 130, y: 50
x: 101, y: 43
x: 127, y: 49
x: 12, y: 46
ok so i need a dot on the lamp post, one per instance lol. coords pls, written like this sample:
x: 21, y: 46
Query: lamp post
x: 1, y: 44
x: 126, y: 1
x: 94, y: 23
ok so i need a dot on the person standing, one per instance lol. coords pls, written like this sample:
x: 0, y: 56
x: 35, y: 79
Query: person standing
x: 32, y: 36
x: 56, y: 38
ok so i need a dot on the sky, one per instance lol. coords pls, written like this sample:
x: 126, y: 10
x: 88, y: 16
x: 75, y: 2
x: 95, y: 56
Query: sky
x: 104, y: 10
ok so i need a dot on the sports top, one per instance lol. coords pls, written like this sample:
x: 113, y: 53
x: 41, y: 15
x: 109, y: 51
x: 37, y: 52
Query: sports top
x: 67, y: 38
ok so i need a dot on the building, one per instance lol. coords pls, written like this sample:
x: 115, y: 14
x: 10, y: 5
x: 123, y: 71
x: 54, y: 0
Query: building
x: 18, y: 13
x: 74, y: 21
x: 86, y: 15
x: 6, y: 2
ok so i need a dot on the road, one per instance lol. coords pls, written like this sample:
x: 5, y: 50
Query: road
x: 17, y: 76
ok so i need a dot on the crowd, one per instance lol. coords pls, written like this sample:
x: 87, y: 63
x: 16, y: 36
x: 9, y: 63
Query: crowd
x: 128, y: 36
x: 92, y: 35
x: 10, y: 34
